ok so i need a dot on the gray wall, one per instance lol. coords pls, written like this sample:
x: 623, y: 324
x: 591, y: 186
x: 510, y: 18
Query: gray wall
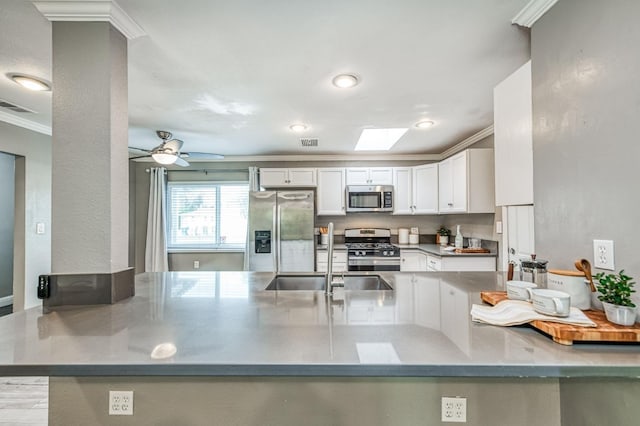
x: 477, y: 225
x: 32, y: 252
x: 586, y: 109
x: 7, y: 206
x: 305, y: 401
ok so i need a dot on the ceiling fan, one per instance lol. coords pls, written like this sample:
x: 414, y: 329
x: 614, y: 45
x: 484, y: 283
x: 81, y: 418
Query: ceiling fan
x: 168, y: 152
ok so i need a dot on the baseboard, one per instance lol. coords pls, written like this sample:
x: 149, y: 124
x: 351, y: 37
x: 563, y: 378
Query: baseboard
x: 6, y: 301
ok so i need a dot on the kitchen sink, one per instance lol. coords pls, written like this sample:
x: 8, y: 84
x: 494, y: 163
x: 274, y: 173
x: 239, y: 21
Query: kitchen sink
x: 317, y: 282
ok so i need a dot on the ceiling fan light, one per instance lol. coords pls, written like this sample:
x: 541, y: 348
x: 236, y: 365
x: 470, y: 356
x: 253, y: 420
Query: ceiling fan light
x: 163, y: 158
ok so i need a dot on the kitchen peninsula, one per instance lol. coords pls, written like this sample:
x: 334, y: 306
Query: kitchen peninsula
x: 221, y: 333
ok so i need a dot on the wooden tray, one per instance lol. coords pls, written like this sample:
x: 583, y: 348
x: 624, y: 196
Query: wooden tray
x: 472, y: 250
x: 566, y: 334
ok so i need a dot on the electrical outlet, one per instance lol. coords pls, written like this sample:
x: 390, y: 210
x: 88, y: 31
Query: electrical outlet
x: 196, y: 264
x: 121, y: 403
x: 454, y: 410
x: 603, y: 254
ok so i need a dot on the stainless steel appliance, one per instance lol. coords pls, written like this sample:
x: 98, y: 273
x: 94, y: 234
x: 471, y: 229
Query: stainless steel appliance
x: 369, y: 198
x: 370, y: 249
x: 281, y: 231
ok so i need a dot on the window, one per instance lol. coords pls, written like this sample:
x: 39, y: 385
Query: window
x: 207, y: 215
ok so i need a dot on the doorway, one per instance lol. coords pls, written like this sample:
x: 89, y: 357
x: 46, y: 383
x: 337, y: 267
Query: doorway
x: 7, y: 227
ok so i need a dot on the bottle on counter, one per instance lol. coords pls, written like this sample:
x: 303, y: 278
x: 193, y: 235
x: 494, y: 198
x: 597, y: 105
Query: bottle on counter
x: 459, y: 238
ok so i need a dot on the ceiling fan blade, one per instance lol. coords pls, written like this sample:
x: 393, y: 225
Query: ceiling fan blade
x: 140, y: 156
x: 181, y: 162
x: 174, y: 145
x: 206, y: 155
x: 133, y: 148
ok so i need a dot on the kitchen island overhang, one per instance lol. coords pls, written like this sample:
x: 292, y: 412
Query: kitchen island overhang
x: 226, y: 324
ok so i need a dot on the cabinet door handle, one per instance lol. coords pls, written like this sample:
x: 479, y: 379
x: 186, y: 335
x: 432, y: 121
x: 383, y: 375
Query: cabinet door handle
x: 450, y: 204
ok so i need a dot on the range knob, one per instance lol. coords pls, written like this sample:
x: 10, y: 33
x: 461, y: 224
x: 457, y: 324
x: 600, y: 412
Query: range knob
x: 385, y: 253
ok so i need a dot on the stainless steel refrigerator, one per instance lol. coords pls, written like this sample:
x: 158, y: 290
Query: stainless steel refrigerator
x: 281, y: 235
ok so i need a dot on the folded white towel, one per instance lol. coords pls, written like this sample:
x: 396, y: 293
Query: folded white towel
x: 516, y: 312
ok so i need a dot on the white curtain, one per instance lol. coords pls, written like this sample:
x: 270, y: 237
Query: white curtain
x: 155, y: 256
x: 254, y: 185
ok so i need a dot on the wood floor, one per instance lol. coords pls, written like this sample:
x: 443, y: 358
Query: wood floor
x: 24, y: 401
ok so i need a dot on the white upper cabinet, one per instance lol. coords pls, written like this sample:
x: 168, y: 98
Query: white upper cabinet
x: 370, y: 176
x: 513, y: 139
x: 425, y: 189
x: 331, y: 192
x: 415, y: 189
x: 402, y: 190
x: 299, y: 177
x: 466, y: 182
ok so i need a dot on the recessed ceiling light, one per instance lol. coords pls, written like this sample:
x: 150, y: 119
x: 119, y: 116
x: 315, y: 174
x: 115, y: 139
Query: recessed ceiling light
x: 424, y: 124
x: 344, y: 81
x: 298, y: 127
x: 379, y: 139
x: 30, y: 83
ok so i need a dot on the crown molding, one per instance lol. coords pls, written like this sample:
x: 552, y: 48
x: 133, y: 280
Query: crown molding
x: 91, y: 11
x: 467, y: 142
x: 532, y: 12
x: 24, y: 123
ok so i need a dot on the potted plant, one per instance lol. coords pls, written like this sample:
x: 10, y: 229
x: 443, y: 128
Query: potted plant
x: 442, y: 235
x: 615, y: 295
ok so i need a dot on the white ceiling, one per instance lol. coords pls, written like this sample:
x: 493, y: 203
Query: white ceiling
x: 231, y: 76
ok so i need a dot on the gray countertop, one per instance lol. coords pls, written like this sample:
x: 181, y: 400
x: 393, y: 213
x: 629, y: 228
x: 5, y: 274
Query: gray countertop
x: 224, y: 323
x: 438, y: 250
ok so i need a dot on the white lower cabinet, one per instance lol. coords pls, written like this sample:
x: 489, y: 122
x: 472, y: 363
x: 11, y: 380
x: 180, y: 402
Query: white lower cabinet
x: 467, y: 263
x: 339, y: 261
x: 454, y: 316
x: 413, y: 261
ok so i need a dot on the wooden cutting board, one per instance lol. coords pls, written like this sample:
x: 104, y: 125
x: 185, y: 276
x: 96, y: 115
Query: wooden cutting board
x: 472, y: 250
x: 566, y: 334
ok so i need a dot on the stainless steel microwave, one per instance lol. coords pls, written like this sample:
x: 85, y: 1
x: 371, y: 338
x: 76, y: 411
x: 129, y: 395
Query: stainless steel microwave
x: 369, y: 198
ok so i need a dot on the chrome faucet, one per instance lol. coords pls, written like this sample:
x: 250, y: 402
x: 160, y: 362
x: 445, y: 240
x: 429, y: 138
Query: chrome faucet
x: 328, y: 289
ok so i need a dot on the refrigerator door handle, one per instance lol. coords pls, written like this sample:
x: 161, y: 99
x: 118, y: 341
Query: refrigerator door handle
x: 275, y: 239
x: 278, y: 240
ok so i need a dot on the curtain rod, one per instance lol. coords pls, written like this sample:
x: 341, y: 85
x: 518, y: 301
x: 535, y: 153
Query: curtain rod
x: 205, y: 171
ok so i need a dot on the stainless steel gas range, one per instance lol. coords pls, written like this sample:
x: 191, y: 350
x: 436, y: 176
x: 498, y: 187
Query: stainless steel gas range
x: 370, y: 249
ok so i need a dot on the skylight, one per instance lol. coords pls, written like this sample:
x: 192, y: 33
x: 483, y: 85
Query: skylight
x: 378, y: 139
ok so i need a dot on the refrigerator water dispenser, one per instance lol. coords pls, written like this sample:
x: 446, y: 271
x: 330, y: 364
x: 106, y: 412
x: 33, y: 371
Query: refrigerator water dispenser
x: 263, y: 241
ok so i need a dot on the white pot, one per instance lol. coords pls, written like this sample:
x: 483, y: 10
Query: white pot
x: 444, y: 240
x: 571, y: 282
x: 622, y: 315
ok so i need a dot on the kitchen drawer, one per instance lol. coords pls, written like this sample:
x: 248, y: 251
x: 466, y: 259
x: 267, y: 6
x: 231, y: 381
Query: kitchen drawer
x: 434, y: 263
x: 339, y: 261
x: 337, y: 266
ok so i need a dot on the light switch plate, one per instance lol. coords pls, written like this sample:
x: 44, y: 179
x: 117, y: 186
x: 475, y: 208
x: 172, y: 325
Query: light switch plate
x: 603, y: 254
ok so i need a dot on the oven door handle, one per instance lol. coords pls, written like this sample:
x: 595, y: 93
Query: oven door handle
x: 373, y: 261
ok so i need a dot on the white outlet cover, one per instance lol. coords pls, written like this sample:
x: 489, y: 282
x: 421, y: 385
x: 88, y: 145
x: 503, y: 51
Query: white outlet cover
x: 121, y: 403
x: 603, y: 255
x: 454, y: 410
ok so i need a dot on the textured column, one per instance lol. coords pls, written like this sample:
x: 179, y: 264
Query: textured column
x: 90, y: 199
